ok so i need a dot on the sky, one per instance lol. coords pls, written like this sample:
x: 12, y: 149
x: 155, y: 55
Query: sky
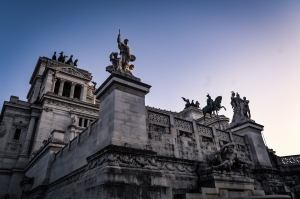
x: 182, y: 48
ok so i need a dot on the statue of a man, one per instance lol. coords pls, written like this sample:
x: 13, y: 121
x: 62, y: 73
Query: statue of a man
x: 124, y: 51
x: 226, y: 157
x: 209, y: 101
x: 246, y: 109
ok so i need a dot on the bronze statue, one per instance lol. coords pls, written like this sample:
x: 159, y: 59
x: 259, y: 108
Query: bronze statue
x: 54, y: 56
x: 188, y: 103
x: 94, y: 85
x: 75, y: 62
x: 61, y: 57
x: 209, y: 101
x: 212, y: 105
x: 126, y: 57
x: 70, y: 60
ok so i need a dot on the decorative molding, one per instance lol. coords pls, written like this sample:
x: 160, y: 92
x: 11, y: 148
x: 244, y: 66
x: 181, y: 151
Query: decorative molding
x: 70, y: 106
x: 123, y: 159
x: 123, y: 88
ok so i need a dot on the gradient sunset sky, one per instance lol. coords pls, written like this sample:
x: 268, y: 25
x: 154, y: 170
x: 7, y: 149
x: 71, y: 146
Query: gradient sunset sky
x: 183, y: 49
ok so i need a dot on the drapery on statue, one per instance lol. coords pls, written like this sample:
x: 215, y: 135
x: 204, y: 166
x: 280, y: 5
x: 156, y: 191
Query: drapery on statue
x: 241, y: 110
x: 212, y: 105
x: 126, y: 57
x: 188, y: 104
x: 226, y: 159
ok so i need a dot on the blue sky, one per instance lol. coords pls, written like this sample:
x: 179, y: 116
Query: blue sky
x: 183, y: 49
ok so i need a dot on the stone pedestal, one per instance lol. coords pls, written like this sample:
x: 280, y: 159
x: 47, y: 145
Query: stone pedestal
x: 252, y: 131
x: 220, y: 185
x: 122, y: 113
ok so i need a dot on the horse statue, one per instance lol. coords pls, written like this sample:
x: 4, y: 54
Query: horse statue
x: 215, y: 106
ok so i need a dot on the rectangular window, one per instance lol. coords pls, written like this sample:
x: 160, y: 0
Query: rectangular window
x: 80, y: 121
x: 86, y: 122
x: 17, y: 134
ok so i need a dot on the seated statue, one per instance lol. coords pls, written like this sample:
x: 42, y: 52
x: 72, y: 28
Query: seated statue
x: 226, y: 159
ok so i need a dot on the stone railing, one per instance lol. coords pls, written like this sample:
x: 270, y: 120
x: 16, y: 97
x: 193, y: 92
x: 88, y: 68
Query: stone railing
x: 290, y: 160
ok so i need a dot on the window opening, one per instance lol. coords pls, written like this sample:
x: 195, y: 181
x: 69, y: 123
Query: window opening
x: 67, y: 89
x: 80, y: 121
x: 17, y: 134
x: 77, y: 91
x: 56, y: 88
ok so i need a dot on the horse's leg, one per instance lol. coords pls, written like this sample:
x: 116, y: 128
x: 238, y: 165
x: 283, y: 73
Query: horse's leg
x: 223, y: 107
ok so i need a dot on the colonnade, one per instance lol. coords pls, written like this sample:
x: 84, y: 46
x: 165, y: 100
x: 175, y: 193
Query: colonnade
x: 73, y: 85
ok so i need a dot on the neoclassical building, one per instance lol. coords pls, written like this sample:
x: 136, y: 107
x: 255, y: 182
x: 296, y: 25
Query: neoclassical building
x: 73, y: 140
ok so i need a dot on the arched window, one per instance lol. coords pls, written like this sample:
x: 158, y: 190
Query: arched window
x: 67, y: 89
x: 77, y: 91
x: 56, y: 88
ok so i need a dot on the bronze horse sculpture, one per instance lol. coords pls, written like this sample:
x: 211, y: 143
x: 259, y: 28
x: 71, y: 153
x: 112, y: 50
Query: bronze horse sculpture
x: 216, y: 106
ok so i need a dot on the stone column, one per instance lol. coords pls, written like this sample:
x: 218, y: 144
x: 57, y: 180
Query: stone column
x: 53, y: 85
x: 61, y: 87
x: 83, y: 93
x: 30, y: 130
x: 72, y: 90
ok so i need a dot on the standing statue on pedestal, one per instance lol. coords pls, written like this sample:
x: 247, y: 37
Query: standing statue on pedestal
x: 241, y: 110
x: 126, y: 57
x: 212, y: 105
x: 121, y: 64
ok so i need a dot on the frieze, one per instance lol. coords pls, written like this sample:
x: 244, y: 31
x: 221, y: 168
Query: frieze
x: 70, y: 106
x: 183, y: 125
x: 125, y: 160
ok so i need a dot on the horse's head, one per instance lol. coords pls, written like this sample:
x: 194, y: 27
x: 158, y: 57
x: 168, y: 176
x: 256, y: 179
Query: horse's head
x: 218, y: 101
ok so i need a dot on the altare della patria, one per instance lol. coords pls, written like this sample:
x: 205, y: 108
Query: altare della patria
x: 73, y: 139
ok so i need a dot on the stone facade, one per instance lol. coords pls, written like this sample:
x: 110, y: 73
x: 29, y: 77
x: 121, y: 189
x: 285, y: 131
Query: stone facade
x: 71, y: 140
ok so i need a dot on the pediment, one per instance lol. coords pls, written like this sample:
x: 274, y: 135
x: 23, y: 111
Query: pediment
x: 71, y: 70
